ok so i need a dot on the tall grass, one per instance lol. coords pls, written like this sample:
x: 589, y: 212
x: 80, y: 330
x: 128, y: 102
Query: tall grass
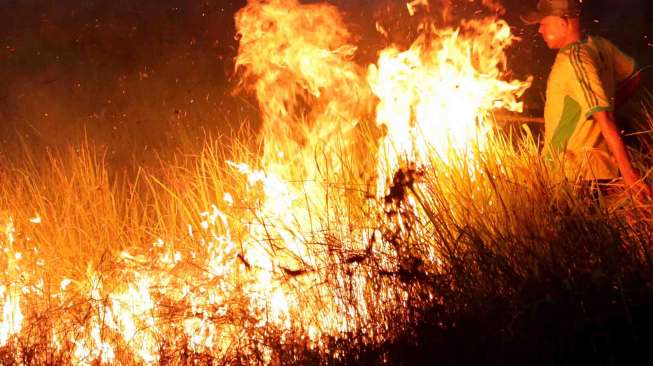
x: 490, y: 259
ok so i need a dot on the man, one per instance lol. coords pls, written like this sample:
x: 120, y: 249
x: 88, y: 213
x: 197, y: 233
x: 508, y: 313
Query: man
x: 580, y: 95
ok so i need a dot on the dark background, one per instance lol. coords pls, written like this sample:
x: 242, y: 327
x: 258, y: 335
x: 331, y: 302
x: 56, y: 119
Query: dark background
x: 131, y: 75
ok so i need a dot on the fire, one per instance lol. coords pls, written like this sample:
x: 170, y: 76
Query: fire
x: 286, y: 251
x: 10, y: 292
x: 12, y: 316
x: 298, y: 59
x: 435, y: 98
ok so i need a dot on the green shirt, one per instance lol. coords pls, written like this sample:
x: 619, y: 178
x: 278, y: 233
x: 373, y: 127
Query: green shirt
x: 582, y: 82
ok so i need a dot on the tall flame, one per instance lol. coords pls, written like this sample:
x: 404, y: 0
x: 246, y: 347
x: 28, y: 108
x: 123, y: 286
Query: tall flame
x: 435, y: 97
x: 298, y: 60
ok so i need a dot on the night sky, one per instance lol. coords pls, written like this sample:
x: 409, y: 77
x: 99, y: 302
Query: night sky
x: 126, y: 71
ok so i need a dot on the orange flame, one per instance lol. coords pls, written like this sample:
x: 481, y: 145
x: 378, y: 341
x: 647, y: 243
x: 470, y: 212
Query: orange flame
x: 436, y: 96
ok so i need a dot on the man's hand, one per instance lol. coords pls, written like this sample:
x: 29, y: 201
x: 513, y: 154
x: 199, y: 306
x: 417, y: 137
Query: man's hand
x: 632, y: 178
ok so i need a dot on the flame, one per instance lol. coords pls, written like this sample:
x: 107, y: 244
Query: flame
x: 435, y: 97
x: 132, y: 314
x: 298, y: 59
x: 90, y: 343
x: 10, y: 294
x: 12, y: 316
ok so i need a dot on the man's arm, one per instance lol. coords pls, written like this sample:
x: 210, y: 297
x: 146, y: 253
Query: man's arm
x: 631, y: 176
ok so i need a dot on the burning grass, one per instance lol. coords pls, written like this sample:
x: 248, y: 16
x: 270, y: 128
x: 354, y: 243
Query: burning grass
x: 379, y: 216
x: 165, y: 269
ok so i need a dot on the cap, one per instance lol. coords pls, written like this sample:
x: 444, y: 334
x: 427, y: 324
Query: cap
x: 561, y: 8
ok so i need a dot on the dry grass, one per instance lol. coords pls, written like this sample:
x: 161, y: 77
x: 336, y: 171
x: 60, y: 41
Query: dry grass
x: 489, y: 255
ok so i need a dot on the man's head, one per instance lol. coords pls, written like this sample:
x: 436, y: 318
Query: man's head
x: 558, y: 19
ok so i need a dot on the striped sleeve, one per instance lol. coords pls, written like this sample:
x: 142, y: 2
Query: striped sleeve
x: 588, y: 89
